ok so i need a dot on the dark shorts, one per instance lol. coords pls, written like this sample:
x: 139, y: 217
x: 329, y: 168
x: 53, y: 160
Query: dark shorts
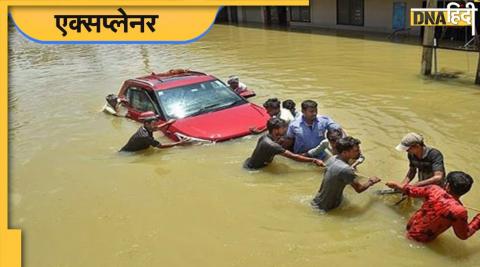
x: 247, y: 166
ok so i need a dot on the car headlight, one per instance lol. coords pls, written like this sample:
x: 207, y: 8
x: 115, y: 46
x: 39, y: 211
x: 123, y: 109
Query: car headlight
x: 193, y: 139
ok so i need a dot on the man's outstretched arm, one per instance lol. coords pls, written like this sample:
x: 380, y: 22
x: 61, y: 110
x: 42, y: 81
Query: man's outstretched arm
x: 435, y: 179
x: 462, y: 228
x: 301, y: 158
x: 359, y: 187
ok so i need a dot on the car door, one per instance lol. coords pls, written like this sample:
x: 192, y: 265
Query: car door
x: 139, y: 101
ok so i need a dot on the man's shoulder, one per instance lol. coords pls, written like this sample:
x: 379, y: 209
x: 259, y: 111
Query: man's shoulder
x: 323, y: 117
x: 326, y: 120
x: 438, y: 192
x: 455, y: 207
x: 297, y: 120
x: 435, y: 188
x: 285, y: 114
x: 267, y: 143
x: 295, y: 123
x: 141, y: 132
x: 339, y: 169
x: 266, y: 140
x: 458, y: 210
x: 338, y: 164
x: 434, y: 152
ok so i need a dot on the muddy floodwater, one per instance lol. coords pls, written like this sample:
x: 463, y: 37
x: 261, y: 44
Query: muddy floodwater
x: 80, y: 203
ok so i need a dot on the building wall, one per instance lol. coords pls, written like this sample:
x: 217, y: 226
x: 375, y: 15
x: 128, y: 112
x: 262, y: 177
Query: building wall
x: 378, y: 15
x: 413, y: 4
x: 323, y: 13
x: 251, y: 14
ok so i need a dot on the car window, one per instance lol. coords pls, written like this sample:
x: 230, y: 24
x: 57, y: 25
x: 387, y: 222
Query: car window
x: 197, y: 98
x: 139, y: 100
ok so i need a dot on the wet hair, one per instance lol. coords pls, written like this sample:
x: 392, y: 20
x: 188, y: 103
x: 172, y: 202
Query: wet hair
x: 233, y: 79
x: 334, y: 135
x: 112, y: 100
x: 346, y: 143
x: 289, y: 104
x: 459, y: 182
x: 149, y: 120
x: 272, y: 103
x: 276, y: 123
x: 309, y: 104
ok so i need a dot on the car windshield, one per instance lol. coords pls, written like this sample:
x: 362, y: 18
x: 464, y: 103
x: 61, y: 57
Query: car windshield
x: 195, y: 99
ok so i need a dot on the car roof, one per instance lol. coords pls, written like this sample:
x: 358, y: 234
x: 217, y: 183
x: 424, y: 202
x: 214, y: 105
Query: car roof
x: 173, y: 78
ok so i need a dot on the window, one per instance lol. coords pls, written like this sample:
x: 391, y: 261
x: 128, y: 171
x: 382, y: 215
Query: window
x: 300, y: 13
x: 139, y: 100
x: 195, y: 99
x: 350, y: 12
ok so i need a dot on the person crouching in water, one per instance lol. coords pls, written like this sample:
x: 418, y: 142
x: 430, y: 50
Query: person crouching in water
x: 143, y: 138
x: 268, y: 147
x: 235, y: 84
x: 339, y: 174
x: 327, y: 146
x: 441, y: 210
x: 115, y: 106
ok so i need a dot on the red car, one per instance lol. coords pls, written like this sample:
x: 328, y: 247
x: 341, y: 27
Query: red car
x: 205, y: 109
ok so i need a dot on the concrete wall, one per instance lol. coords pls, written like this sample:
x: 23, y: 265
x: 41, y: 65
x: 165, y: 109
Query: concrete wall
x: 323, y: 13
x: 413, y: 4
x: 251, y: 14
x: 377, y: 15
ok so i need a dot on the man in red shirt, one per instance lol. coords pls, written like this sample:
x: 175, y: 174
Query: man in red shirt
x: 441, y: 209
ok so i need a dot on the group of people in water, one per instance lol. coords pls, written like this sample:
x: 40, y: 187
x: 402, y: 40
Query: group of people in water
x: 308, y: 137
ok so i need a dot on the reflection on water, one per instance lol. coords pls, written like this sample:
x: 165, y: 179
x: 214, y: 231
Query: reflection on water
x: 80, y: 203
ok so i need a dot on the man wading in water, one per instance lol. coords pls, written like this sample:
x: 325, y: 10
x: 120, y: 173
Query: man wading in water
x: 143, y: 138
x: 339, y: 174
x: 426, y: 160
x: 442, y: 208
x: 328, y: 146
x: 308, y: 130
x: 268, y: 147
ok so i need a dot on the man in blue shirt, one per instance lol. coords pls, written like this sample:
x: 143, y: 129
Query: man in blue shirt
x: 308, y: 130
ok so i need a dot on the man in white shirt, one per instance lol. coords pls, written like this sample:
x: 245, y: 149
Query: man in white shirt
x: 274, y: 109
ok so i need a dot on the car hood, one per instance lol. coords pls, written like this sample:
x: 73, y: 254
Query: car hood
x: 223, y: 124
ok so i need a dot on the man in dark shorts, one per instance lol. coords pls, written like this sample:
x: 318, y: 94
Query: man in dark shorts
x: 427, y: 161
x: 143, y: 138
x: 268, y: 147
x: 339, y: 174
x: 441, y: 210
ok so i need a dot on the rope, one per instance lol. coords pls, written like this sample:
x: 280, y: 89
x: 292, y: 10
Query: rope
x: 450, y: 48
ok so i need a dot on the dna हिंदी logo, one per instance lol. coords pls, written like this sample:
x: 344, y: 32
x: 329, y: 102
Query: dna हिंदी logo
x: 452, y: 15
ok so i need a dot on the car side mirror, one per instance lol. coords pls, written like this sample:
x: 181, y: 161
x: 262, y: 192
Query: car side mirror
x: 247, y: 94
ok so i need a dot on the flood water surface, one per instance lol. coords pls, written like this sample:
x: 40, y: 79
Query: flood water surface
x: 80, y: 203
